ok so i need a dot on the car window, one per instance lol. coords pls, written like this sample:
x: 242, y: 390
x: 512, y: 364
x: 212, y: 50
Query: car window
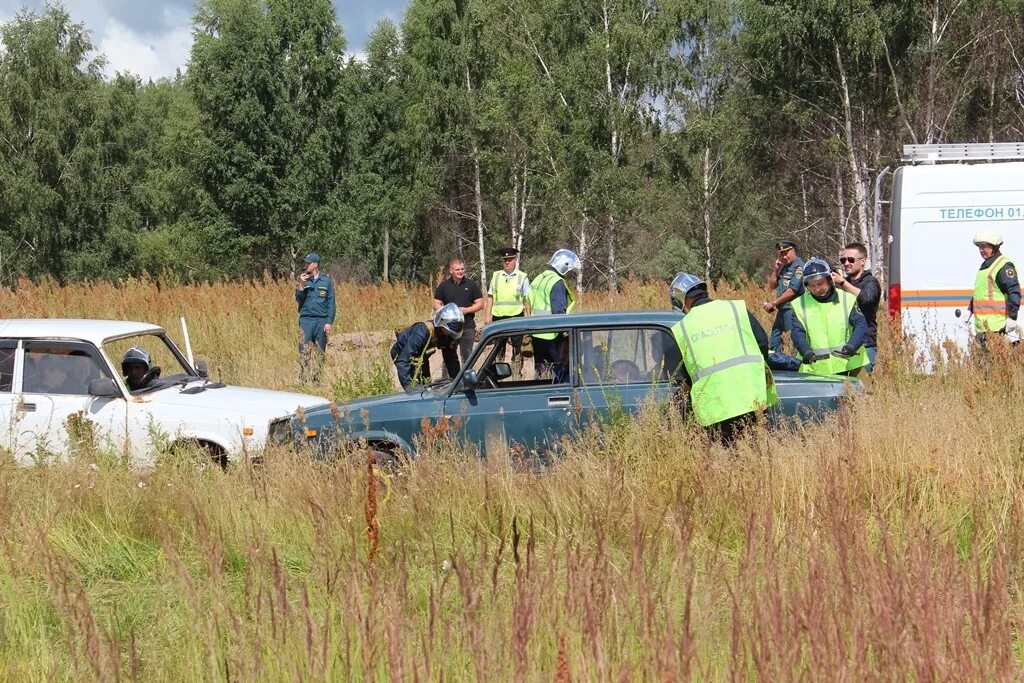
x: 627, y: 356
x: 8, y: 350
x: 162, y: 354
x: 60, y: 368
x: 546, y: 362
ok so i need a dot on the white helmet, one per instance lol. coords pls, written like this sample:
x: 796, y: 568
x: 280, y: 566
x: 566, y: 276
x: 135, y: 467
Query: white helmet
x: 450, y: 319
x: 565, y: 261
x: 681, y: 286
x: 988, y: 237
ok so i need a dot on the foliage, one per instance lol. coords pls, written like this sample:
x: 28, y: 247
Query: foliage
x: 631, y: 131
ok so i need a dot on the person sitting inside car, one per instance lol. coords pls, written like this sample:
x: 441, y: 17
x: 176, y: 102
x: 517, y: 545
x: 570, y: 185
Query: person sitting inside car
x: 414, y: 345
x: 137, y: 368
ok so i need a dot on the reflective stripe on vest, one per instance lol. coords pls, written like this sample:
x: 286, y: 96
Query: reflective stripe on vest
x: 828, y: 329
x: 989, y: 303
x: 718, y: 346
x: 508, y: 301
x: 540, y: 298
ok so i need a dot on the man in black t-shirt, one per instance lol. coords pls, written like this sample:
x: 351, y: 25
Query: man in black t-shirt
x: 858, y: 280
x: 467, y: 295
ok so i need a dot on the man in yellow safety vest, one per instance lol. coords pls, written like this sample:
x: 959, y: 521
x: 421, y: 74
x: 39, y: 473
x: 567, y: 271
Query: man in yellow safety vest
x: 507, y: 298
x: 996, y: 300
x: 550, y: 294
x: 829, y: 331
x: 724, y: 351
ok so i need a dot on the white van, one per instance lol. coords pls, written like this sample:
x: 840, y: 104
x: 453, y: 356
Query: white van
x: 942, y: 196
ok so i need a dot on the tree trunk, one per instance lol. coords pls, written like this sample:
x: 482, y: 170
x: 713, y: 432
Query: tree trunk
x: 856, y: 169
x: 479, y: 214
x: 477, y: 196
x: 932, y: 71
x: 706, y: 166
x: 841, y: 206
x: 524, y: 199
x: 615, y: 146
x: 387, y: 252
x: 582, y: 253
x: 613, y: 280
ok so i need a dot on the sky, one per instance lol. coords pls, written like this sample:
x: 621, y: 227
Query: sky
x: 152, y: 38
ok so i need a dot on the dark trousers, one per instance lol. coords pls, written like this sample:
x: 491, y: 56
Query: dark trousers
x: 727, y: 431
x: 456, y: 355
x: 517, y: 346
x: 783, y: 323
x: 547, y: 359
x: 312, y: 347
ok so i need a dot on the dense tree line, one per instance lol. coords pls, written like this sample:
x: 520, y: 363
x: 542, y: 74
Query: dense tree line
x: 649, y: 135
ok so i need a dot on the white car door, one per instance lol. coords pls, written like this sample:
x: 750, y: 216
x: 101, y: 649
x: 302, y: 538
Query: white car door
x: 8, y: 356
x: 55, y: 415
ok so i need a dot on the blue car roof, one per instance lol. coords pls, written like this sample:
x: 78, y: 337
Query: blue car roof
x: 592, y: 319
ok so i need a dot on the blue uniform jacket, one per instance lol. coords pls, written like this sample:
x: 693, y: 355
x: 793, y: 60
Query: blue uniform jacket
x: 857, y: 337
x: 316, y: 299
x: 411, y: 344
x: 790, y: 277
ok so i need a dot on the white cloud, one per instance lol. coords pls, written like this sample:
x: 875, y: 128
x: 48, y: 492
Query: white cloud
x: 151, y: 57
x: 153, y: 38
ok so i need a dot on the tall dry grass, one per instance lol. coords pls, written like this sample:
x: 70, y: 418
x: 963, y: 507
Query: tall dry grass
x: 884, y: 543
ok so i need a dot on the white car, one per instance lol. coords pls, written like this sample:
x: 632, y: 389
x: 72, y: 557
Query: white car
x: 61, y: 380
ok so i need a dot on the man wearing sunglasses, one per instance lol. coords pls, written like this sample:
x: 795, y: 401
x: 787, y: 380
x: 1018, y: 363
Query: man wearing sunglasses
x: 787, y: 280
x: 857, y: 279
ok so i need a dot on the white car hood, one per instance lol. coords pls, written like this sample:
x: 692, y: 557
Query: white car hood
x: 243, y: 400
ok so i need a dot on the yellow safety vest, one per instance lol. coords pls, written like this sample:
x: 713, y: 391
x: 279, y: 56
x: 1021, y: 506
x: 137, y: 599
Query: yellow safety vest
x: 508, y: 301
x: 728, y: 373
x: 540, y: 298
x: 828, y: 329
x: 989, y: 303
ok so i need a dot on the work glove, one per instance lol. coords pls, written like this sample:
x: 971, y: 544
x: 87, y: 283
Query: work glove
x: 1011, y: 326
x: 809, y: 357
x: 845, y: 352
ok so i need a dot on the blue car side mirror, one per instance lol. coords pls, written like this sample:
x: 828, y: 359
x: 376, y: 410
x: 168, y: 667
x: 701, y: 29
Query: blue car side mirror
x: 470, y: 378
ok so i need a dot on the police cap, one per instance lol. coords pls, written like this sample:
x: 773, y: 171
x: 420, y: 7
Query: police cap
x: 508, y: 252
x: 784, y: 245
x: 313, y: 257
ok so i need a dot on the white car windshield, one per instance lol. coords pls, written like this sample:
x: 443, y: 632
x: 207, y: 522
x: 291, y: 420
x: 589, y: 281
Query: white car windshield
x: 167, y: 365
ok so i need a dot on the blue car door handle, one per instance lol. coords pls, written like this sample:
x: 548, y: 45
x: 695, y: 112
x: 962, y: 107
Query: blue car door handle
x: 558, y: 401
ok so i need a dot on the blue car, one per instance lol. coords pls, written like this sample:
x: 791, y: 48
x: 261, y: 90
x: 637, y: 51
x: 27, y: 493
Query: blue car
x: 617, y: 362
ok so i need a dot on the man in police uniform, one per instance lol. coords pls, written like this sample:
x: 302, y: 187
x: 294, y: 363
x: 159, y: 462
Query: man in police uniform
x: 464, y: 293
x: 786, y: 280
x: 506, y: 298
x: 996, y: 299
x: 829, y: 330
x: 314, y: 294
x: 724, y: 350
x: 550, y: 294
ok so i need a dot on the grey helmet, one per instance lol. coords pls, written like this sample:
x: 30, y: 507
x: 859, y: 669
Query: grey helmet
x: 565, y: 261
x: 136, y: 354
x: 683, y: 284
x: 815, y: 268
x: 451, y: 319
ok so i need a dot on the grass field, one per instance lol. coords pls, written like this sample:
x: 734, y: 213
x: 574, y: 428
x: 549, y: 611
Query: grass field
x: 884, y: 544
